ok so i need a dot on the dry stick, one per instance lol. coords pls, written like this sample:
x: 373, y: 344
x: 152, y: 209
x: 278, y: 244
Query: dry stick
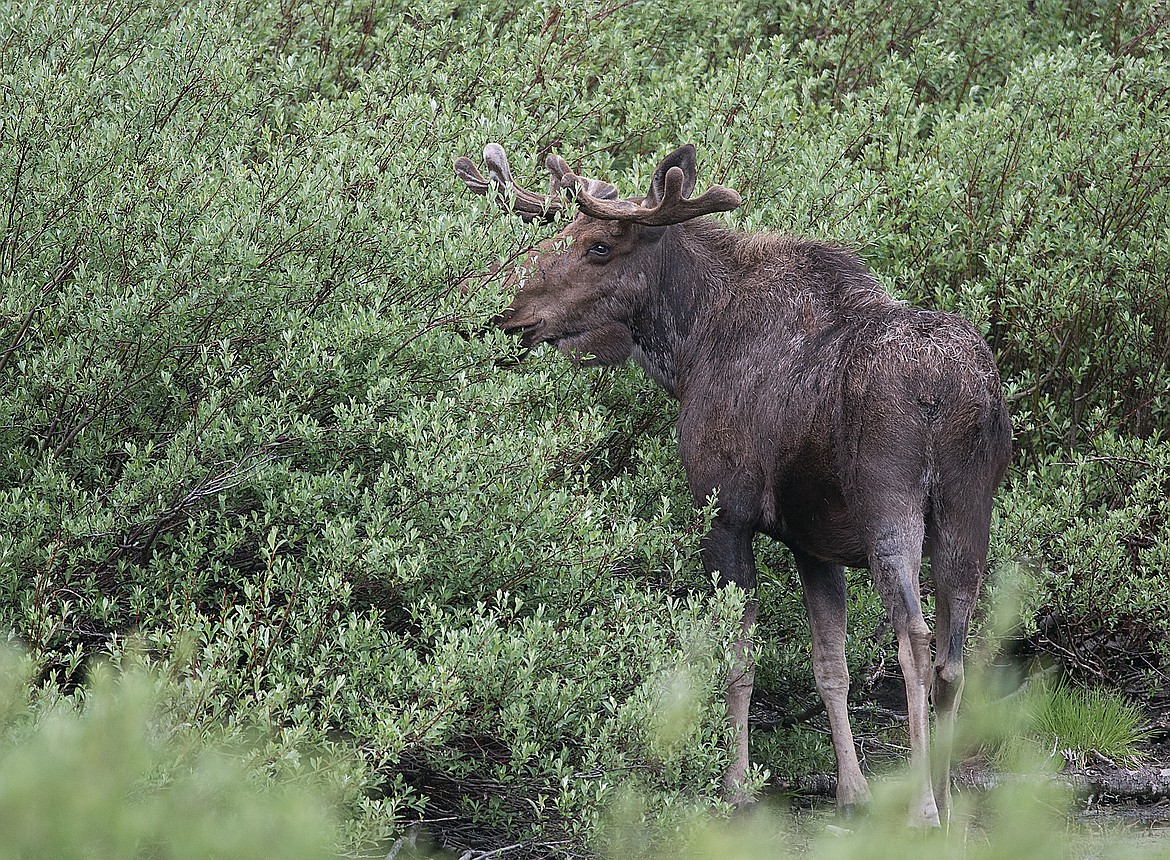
x: 1144, y: 786
x: 471, y: 854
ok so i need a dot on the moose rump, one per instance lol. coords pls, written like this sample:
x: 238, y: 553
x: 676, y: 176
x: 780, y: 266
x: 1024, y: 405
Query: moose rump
x: 857, y: 430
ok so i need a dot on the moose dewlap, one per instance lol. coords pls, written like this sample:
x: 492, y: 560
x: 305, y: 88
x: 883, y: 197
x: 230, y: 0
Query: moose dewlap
x: 858, y: 431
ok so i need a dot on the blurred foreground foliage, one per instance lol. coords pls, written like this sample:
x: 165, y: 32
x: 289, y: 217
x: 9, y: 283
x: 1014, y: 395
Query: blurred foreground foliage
x: 109, y: 772
x: 250, y: 422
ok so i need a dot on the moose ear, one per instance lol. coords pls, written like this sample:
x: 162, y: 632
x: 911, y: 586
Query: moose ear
x: 682, y: 158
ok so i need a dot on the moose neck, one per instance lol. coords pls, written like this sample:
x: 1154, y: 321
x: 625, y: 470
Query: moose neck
x: 688, y: 270
x: 713, y: 296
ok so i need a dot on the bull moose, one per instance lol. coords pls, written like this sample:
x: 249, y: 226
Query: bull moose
x: 857, y: 430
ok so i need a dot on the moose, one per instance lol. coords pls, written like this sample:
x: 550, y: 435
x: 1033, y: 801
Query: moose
x: 859, y: 431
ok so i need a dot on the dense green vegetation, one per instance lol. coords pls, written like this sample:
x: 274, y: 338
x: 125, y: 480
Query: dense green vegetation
x: 253, y: 432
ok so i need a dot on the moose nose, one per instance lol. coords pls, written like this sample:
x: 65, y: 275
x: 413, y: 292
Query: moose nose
x: 504, y: 319
x: 510, y: 322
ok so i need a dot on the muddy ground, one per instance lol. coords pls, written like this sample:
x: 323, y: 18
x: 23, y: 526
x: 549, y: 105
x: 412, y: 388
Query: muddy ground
x: 1108, y: 798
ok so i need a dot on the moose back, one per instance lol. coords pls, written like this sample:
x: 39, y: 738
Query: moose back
x: 857, y: 430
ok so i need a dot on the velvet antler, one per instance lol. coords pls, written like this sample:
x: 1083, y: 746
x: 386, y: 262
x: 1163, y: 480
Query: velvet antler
x: 669, y: 201
x: 594, y: 197
x: 500, y: 185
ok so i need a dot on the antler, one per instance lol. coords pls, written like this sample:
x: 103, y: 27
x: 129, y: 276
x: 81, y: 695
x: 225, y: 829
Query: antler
x: 563, y: 180
x: 500, y: 184
x: 594, y: 197
x: 674, y: 208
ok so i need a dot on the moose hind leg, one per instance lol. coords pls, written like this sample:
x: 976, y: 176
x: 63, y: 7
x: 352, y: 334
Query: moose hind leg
x: 952, y: 617
x: 958, y: 557
x: 825, y: 601
x: 895, y: 560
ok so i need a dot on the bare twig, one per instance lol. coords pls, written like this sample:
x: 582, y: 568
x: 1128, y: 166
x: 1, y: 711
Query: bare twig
x: 483, y: 855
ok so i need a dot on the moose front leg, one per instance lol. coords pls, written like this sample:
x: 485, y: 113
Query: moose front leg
x: 728, y: 550
x: 739, y: 699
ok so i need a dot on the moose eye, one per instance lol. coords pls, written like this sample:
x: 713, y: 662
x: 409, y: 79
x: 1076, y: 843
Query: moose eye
x: 600, y: 250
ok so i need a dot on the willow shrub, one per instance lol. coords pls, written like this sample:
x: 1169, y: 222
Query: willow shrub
x: 1090, y: 538
x: 253, y: 423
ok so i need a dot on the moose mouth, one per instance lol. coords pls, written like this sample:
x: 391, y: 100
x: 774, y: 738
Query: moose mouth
x: 534, y: 333
x: 527, y: 332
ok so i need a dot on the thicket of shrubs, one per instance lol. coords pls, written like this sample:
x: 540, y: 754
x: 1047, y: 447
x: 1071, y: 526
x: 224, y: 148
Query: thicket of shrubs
x: 252, y: 428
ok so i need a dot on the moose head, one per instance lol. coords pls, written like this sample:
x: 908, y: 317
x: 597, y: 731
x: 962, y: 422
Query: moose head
x: 580, y: 290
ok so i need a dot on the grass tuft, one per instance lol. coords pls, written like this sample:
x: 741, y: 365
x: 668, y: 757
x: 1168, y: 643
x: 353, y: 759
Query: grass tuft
x: 1077, y: 723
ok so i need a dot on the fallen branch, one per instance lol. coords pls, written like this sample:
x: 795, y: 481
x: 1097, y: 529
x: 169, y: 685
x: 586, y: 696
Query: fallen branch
x: 1143, y: 786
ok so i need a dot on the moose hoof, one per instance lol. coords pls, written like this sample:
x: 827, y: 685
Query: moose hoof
x: 740, y: 802
x: 852, y: 811
x: 925, y: 820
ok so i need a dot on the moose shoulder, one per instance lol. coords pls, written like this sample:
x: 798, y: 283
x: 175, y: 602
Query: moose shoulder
x: 859, y: 431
